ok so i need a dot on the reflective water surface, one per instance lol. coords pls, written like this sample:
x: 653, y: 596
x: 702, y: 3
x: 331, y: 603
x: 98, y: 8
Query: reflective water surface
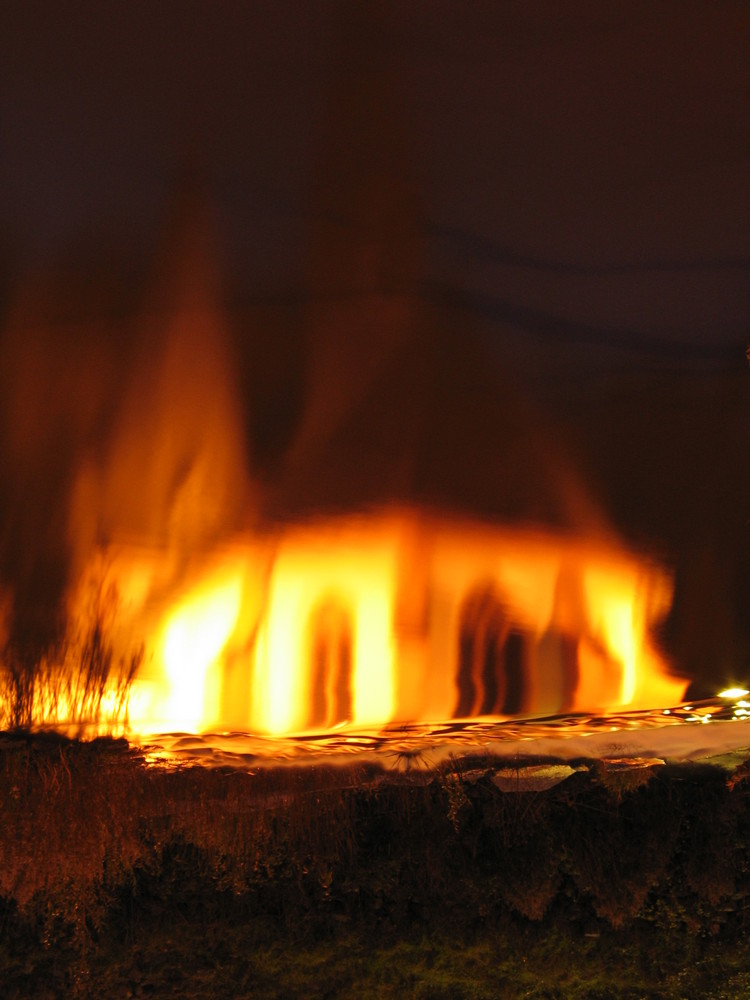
x: 689, y: 731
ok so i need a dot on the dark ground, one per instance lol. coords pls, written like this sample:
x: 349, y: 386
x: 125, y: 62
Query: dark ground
x: 123, y: 880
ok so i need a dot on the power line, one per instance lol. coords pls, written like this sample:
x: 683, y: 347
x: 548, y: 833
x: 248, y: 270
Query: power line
x: 490, y: 250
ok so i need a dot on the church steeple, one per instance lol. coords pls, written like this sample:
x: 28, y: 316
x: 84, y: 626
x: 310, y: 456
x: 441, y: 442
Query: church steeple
x: 365, y: 237
x: 186, y: 273
x: 362, y: 277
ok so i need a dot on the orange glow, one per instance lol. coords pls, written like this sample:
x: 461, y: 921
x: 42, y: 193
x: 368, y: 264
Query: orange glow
x: 394, y: 615
x: 194, y: 635
x: 363, y: 620
x: 357, y: 567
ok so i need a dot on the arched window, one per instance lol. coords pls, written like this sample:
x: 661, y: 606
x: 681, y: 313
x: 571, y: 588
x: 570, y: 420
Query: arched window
x: 491, y: 656
x: 557, y: 653
x: 330, y: 647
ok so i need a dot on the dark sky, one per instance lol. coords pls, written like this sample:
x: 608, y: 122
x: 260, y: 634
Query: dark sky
x: 580, y: 170
x: 586, y: 162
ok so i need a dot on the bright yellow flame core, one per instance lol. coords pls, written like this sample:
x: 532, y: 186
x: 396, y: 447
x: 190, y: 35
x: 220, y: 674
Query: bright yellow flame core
x: 244, y: 647
x: 195, y: 634
x: 362, y: 578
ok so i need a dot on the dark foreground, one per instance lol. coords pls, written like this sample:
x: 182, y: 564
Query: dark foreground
x: 480, y: 878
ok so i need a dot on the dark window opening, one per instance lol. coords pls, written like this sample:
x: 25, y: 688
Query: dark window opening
x: 514, y: 656
x: 331, y: 655
x: 557, y: 655
x: 491, y: 658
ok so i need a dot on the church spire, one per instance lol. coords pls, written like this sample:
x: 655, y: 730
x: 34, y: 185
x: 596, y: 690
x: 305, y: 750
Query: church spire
x: 365, y: 236
x: 364, y: 245
x: 186, y: 276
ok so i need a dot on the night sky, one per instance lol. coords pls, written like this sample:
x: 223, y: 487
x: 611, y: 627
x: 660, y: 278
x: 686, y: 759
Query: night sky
x: 583, y: 161
x: 579, y: 174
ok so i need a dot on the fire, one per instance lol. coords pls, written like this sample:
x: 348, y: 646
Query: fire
x: 348, y: 579
x: 396, y: 614
x: 404, y: 615
x: 194, y: 636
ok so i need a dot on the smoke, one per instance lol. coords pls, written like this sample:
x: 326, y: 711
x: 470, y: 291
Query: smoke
x: 55, y: 378
x: 174, y: 473
x: 119, y: 425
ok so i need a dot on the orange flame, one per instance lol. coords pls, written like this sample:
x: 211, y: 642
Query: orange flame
x: 394, y: 615
x: 402, y: 616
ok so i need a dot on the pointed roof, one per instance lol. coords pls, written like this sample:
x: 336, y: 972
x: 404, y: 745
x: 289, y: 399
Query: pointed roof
x: 186, y: 274
x: 404, y: 404
x: 365, y: 234
x: 440, y: 427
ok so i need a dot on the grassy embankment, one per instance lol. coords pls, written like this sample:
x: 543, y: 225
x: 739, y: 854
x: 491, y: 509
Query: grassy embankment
x: 121, y: 879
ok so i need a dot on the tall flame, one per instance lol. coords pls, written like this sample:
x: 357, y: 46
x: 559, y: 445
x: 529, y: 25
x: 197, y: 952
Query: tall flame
x: 195, y: 634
